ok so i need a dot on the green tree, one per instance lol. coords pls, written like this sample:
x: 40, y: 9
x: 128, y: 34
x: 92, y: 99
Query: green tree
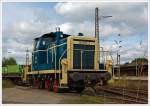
x: 140, y: 60
x: 4, y: 61
x: 8, y: 61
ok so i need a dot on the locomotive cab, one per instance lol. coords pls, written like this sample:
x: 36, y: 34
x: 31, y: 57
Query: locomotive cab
x: 82, y: 63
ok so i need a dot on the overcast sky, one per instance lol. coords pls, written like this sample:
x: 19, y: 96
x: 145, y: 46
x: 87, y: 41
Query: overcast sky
x: 22, y: 22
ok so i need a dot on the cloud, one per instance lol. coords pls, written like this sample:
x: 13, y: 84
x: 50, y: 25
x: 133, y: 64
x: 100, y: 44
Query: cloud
x: 108, y: 30
x: 128, y: 53
x: 16, y: 50
x: 129, y: 19
x: 73, y: 11
x: 66, y: 27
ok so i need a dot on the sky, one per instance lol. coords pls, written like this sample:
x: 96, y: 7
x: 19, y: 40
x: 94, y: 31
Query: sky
x: 22, y: 22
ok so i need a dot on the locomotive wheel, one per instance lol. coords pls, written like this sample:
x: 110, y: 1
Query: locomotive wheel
x: 37, y: 84
x: 42, y: 84
x: 80, y: 86
x: 79, y: 90
x: 55, y: 86
x: 47, y: 85
x: 51, y: 85
x: 32, y: 83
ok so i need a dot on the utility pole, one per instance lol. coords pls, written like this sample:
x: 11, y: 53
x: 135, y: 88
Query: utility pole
x: 119, y: 66
x: 118, y: 55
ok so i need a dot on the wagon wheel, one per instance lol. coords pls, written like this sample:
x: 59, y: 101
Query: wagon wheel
x: 105, y: 82
x: 55, y: 86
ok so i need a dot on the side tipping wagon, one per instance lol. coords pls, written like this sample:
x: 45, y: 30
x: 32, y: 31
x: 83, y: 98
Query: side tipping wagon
x: 13, y: 72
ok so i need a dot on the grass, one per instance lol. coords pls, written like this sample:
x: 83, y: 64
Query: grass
x: 7, y: 83
x: 85, y: 99
x: 129, y: 84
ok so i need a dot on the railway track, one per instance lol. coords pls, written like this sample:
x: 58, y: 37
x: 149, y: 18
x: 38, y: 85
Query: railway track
x: 126, y: 95
x: 141, y: 92
x: 122, y: 95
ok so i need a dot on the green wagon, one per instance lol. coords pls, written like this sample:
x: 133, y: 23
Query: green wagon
x: 12, y: 72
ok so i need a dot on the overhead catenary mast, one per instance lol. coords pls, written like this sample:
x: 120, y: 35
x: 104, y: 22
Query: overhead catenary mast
x: 27, y: 57
x: 97, y: 18
x: 96, y: 24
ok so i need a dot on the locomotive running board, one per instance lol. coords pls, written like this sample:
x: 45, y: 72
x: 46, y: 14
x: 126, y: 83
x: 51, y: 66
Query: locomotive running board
x: 87, y: 70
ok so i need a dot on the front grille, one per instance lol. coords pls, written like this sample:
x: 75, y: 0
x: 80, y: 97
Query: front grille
x: 83, y: 56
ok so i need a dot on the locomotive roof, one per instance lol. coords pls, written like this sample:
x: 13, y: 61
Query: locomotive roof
x: 51, y: 35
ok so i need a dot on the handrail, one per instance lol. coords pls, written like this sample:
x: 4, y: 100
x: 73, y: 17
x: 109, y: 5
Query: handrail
x: 50, y: 47
x: 59, y: 62
x: 55, y: 62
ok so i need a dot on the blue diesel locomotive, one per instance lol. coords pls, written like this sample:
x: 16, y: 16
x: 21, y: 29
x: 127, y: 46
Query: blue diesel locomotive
x: 65, y: 61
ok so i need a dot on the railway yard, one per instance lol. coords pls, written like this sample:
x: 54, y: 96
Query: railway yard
x: 63, y: 68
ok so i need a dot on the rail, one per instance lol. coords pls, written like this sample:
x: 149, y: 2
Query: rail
x: 122, y: 94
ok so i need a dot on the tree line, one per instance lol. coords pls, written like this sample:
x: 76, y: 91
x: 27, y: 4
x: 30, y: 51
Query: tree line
x: 8, y: 61
x: 138, y: 61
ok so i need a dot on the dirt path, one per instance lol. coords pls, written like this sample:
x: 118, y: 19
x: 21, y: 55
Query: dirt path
x: 26, y: 95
